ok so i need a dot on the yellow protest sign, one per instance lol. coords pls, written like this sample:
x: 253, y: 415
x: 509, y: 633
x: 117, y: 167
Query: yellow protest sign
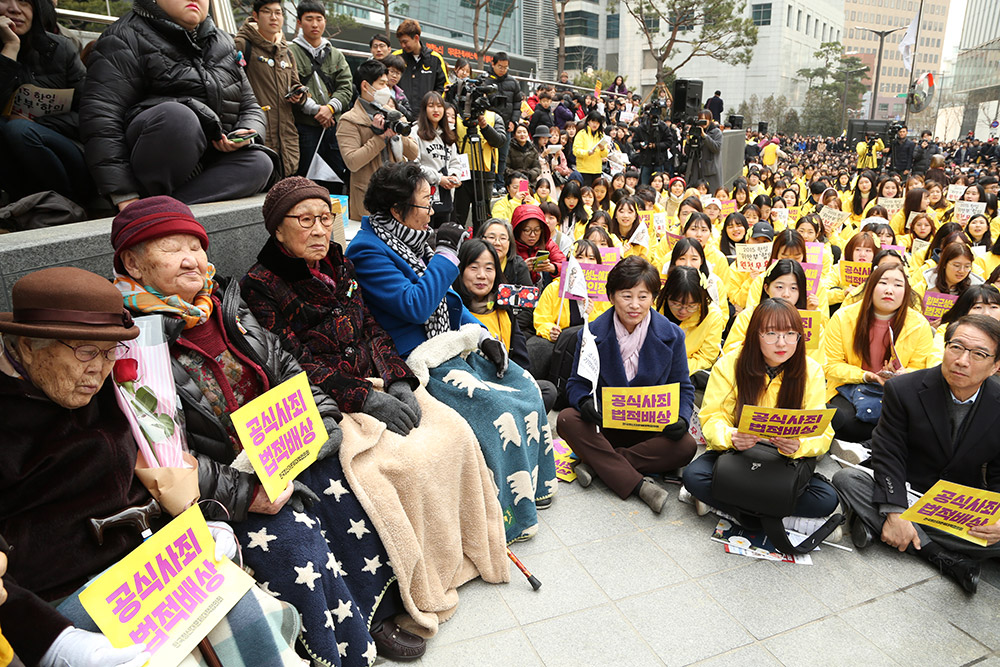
x: 782, y: 423
x: 641, y: 408
x: 854, y: 273
x: 169, y: 593
x: 810, y: 328
x: 564, y: 458
x: 281, y: 431
x: 728, y: 206
x: 955, y: 509
x: 794, y: 214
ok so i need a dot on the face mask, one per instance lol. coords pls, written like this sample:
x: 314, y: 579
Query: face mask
x: 382, y: 96
x: 452, y: 126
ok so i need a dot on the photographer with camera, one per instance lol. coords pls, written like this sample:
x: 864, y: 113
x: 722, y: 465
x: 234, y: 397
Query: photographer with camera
x: 650, y: 140
x: 869, y: 149
x: 901, y: 150
x: 923, y: 152
x: 371, y: 135
x: 508, y: 106
x: 480, y: 136
x: 703, y: 148
x: 274, y: 77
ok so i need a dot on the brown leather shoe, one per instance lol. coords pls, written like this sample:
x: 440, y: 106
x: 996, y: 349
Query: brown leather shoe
x: 395, y: 643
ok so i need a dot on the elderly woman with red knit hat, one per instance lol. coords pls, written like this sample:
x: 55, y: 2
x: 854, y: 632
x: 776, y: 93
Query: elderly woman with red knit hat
x: 68, y: 456
x: 222, y: 359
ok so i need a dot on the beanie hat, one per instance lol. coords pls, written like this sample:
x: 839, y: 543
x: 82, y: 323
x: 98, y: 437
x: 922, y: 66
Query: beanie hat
x: 285, y: 195
x: 152, y: 218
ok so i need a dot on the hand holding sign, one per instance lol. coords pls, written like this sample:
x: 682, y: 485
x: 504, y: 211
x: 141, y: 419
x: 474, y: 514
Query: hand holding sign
x: 958, y: 509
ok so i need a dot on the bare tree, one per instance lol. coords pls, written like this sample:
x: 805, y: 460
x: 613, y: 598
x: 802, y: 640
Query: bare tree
x: 559, y: 14
x: 693, y: 28
x: 489, y: 36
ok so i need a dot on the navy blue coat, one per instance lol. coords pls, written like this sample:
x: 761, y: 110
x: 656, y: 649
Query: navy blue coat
x: 662, y: 360
x: 400, y: 300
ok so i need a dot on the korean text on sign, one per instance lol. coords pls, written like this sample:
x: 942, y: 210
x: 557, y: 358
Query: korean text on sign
x: 937, y: 304
x: 596, y: 276
x: 955, y: 509
x: 752, y: 257
x: 782, y: 423
x: 812, y: 272
x: 169, y: 593
x: 281, y: 432
x: 810, y: 328
x: 854, y: 273
x: 640, y: 408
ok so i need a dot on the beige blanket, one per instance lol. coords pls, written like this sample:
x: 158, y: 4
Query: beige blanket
x: 434, y: 505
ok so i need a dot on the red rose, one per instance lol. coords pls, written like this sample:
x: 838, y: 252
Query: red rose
x: 125, y: 370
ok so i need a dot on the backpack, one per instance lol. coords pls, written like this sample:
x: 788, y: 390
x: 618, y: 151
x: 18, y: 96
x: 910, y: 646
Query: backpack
x: 40, y: 210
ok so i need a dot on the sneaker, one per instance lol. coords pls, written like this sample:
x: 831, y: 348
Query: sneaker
x: 700, y: 508
x: 685, y: 496
x: 584, y: 474
x: 653, y: 494
x: 852, y: 452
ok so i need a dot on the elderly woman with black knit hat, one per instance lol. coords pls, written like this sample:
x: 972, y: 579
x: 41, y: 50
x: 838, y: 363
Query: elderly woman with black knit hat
x: 222, y: 359
x: 305, y: 291
x: 68, y: 456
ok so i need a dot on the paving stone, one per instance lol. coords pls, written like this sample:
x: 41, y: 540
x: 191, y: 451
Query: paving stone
x: 596, y: 636
x: 978, y: 614
x: 846, y: 579
x: 628, y: 564
x: 481, y: 611
x: 830, y: 641
x: 687, y: 540
x: 591, y: 515
x: 753, y: 655
x: 510, y: 647
x: 566, y: 587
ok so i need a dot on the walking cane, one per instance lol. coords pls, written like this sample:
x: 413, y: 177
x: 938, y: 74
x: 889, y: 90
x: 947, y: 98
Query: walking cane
x: 532, y: 579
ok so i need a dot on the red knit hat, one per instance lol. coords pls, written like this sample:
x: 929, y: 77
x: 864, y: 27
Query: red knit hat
x: 285, y: 195
x: 152, y: 218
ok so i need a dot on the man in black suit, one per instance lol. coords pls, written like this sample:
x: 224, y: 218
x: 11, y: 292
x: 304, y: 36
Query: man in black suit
x: 938, y: 423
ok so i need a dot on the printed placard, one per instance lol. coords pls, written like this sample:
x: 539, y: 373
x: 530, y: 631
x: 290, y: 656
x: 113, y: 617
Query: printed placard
x: 833, y: 219
x: 596, y: 276
x: 812, y: 272
x: 794, y: 213
x: 464, y: 171
x: 955, y: 509
x: 891, y: 204
x: 782, y: 423
x: 937, y: 304
x: 610, y: 256
x: 956, y: 192
x: 919, y: 245
x: 564, y: 458
x: 854, y: 273
x: 728, y: 206
x: 898, y: 248
x: 660, y: 224
x: 964, y: 210
x: 814, y: 252
x: 32, y: 102
x: 705, y: 199
x: 282, y: 432
x: 752, y: 257
x: 810, y: 328
x: 781, y: 215
x: 909, y: 219
x: 640, y: 408
x: 169, y: 593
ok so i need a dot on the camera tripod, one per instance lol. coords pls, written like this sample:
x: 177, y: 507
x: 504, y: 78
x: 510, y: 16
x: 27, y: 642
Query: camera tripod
x: 477, y: 168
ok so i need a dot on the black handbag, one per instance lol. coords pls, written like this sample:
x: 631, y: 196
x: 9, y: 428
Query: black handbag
x: 766, y: 485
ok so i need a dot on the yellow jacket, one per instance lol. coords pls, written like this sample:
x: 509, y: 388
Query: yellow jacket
x: 504, y: 208
x: 757, y: 286
x: 985, y: 264
x: 548, y: 307
x: 585, y: 162
x: 738, y: 333
x: 703, y: 340
x: 718, y: 408
x: 898, y: 222
x: 915, y: 346
x: 868, y: 159
x: 737, y: 285
x: 489, y: 154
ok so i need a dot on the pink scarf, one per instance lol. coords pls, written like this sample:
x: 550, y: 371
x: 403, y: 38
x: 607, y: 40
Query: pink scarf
x: 631, y: 343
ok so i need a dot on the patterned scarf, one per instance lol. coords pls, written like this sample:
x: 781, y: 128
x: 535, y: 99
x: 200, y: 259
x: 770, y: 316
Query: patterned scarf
x: 412, y: 246
x: 144, y: 299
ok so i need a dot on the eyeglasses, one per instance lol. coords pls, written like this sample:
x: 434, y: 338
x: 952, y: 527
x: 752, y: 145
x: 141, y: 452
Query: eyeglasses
x: 270, y: 12
x: 976, y: 355
x: 307, y: 221
x: 532, y: 231
x: 87, y: 353
x: 771, y: 337
x: 683, y: 307
x: 429, y: 209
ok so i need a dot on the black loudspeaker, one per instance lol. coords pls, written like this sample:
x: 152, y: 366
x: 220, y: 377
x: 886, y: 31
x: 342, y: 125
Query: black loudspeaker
x: 762, y: 127
x: 687, y: 99
x: 857, y: 128
x: 735, y: 122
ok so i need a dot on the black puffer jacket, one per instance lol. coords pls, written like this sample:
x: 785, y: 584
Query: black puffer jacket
x: 144, y: 59
x: 207, y: 437
x: 54, y: 63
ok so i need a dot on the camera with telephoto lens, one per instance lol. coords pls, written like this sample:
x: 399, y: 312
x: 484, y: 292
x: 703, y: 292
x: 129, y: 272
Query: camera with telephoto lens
x: 892, y: 132
x: 394, y: 120
x: 474, y: 98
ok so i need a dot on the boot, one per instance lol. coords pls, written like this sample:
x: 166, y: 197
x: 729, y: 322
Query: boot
x: 964, y: 570
x: 652, y: 494
x: 584, y: 474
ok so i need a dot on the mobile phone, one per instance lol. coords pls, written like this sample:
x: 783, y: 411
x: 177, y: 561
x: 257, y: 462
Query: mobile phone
x: 237, y: 138
x: 522, y: 188
x: 295, y: 91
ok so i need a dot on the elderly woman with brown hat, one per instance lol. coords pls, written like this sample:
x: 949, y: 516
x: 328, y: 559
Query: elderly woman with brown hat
x: 222, y: 359
x: 68, y: 455
x: 304, y: 290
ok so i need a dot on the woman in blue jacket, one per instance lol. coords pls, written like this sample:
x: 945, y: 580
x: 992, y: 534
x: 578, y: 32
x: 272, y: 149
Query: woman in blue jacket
x: 637, y: 347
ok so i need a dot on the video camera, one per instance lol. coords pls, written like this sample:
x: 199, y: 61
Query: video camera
x: 475, y: 97
x: 696, y: 133
x: 394, y: 120
x: 892, y: 131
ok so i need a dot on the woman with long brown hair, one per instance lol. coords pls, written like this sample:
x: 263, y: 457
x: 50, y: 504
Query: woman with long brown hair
x: 770, y: 370
x: 916, y: 201
x: 870, y: 341
x: 953, y: 273
x: 438, y: 156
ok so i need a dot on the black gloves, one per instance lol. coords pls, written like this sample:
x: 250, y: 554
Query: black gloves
x: 450, y: 237
x: 396, y: 415
x: 589, y: 411
x: 302, y: 497
x: 495, y: 352
x: 676, y: 430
